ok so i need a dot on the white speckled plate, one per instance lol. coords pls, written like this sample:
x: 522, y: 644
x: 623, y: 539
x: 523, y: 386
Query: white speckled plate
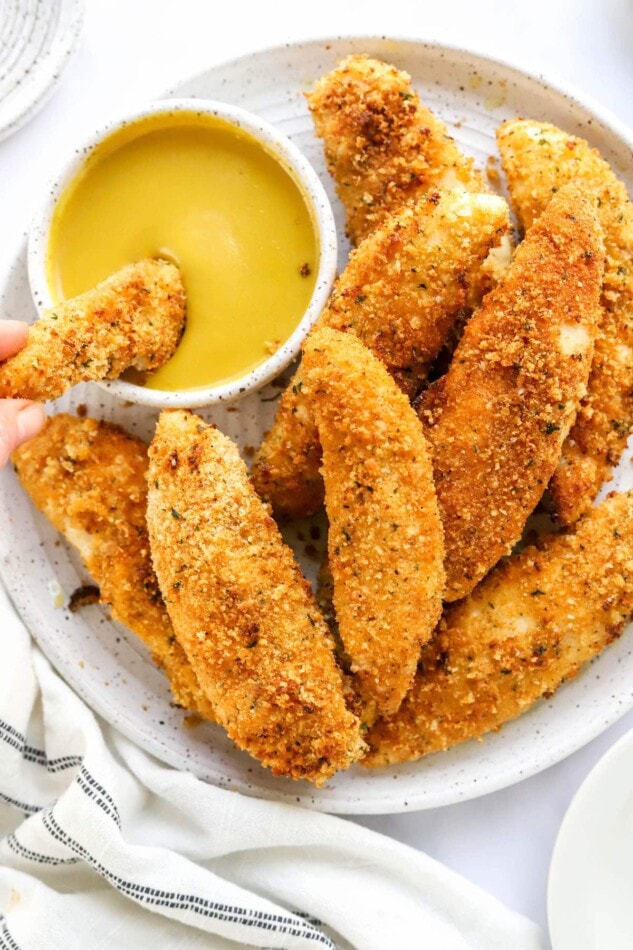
x: 591, y: 873
x: 110, y: 668
x: 37, y: 39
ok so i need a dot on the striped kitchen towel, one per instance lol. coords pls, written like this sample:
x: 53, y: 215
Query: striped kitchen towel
x: 104, y: 846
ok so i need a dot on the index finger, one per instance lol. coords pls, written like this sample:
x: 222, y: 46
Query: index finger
x: 13, y: 336
x: 20, y: 420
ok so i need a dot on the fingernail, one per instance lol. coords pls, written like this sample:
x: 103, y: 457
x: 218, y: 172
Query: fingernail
x: 29, y: 421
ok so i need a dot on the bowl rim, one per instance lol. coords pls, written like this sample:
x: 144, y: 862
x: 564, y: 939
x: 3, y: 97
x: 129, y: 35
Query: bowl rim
x: 306, y: 179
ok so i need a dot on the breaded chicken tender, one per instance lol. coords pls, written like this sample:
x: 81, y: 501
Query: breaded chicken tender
x: 89, y: 479
x: 385, y: 543
x: 497, y: 420
x: 400, y: 294
x: 538, y: 159
x: 526, y: 629
x: 244, y: 614
x: 382, y: 145
x: 133, y: 319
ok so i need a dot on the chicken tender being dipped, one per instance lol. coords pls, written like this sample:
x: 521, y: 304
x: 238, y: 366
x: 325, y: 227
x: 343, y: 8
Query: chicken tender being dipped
x: 539, y: 159
x: 89, y: 479
x: 244, y: 614
x: 385, y: 542
x: 382, y: 145
x: 400, y: 294
x: 524, y: 631
x: 497, y: 420
x: 133, y: 319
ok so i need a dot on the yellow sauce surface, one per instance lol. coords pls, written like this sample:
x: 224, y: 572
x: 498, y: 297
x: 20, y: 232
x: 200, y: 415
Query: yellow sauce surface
x: 195, y: 190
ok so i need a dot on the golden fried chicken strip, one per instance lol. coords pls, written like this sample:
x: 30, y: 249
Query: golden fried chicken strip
x: 497, y: 420
x: 538, y: 159
x: 133, y: 319
x: 527, y: 628
x: 385, y: 541
x: 400, y: 294
x: 89, y: 479
x: 243, y: 612
x: 382, y: 145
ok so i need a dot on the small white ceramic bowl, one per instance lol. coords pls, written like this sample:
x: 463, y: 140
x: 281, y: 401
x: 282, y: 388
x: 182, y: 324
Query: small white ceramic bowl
x: 308, y: 182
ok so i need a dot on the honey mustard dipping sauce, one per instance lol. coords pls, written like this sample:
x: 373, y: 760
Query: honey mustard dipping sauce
x: 194, y: 189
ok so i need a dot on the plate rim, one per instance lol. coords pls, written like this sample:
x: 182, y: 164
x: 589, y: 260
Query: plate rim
x: 589, y: 789
x: 547, y: 79
x: 509, y: 774
x: 46, y: 81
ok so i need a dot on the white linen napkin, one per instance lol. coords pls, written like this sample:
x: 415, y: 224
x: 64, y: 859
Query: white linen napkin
x: 104, y: 846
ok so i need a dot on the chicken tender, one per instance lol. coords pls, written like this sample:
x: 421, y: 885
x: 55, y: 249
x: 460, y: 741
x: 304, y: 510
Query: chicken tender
x: 539, y: 159
x: 385, y: 541
x: 89, y: 479
x: 133, y: 319
x: 400, y: 294
x: 245, y: 616
x: 497, y: 420
x: 526, y: 629
x: 382, y: 146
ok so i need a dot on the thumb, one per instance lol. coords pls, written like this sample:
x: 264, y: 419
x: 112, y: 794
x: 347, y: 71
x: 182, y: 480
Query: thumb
x: 13, y: 336
x: 20, y: 420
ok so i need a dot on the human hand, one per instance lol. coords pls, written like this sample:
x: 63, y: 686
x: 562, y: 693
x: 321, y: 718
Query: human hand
x: 20, y: 419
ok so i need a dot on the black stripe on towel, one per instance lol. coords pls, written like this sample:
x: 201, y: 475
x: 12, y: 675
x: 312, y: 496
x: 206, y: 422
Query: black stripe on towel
x: 23, y: 806
x: 6, y: 940
x: 309, y: 918
x: 155, y: 897
x: 12, y: 737
x: 25, y: 852
x: 98, y: 794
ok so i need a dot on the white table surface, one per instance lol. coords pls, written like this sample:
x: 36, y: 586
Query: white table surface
x: 133, y: 49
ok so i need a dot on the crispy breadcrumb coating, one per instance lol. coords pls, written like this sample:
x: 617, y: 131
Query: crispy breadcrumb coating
x: 242, y: 610
x: 89, y: 479
x: 526, y: 629
x: 539, y: 159
x: 385, y: 543
x: 382, y: 145
x: 497, y: 420
x: 133, y: 319
x: 400, y: 294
